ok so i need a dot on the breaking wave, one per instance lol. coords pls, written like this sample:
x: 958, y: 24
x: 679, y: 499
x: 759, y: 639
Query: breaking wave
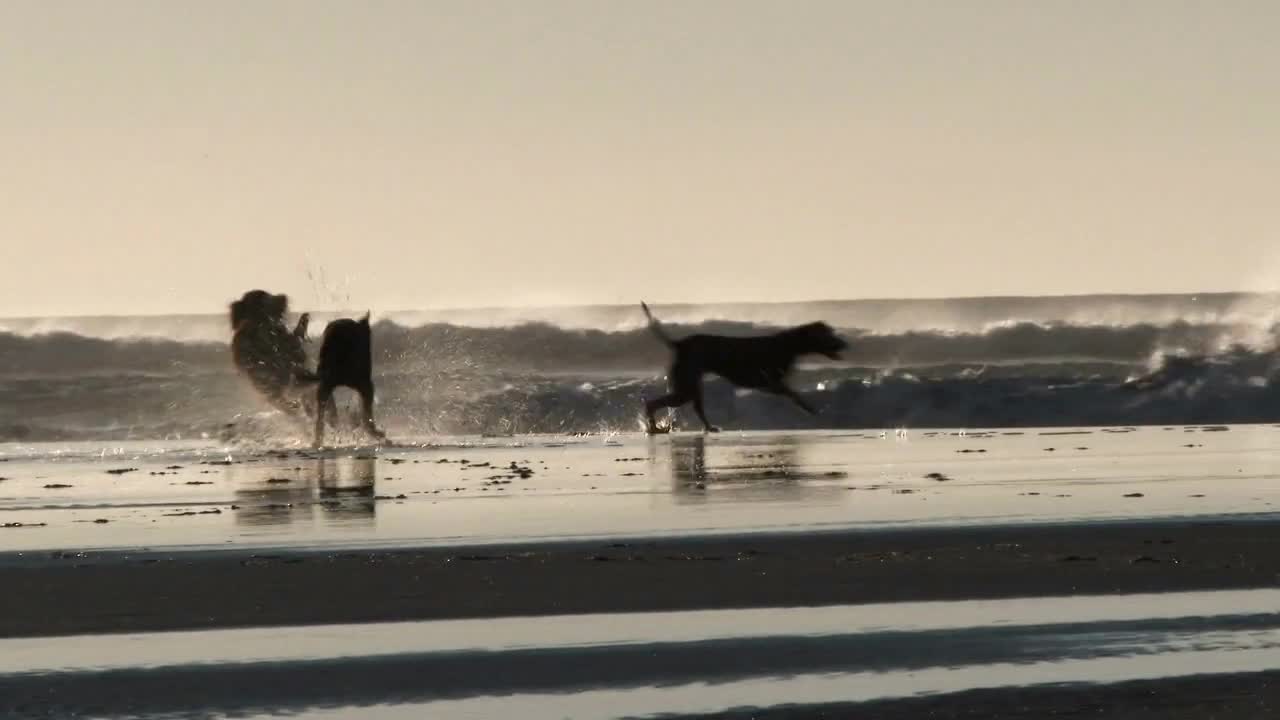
x: 985, y: 369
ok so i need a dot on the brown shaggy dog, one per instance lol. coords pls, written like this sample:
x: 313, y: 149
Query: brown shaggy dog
x: 271, y: 355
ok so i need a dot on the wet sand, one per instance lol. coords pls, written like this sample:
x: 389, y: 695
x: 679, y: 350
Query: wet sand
x: 68, y: 593
x: 163, y: 536
x: 1246, y: 696
x: 166, y: 537
x: 808, y: 662
x: 472, y: 491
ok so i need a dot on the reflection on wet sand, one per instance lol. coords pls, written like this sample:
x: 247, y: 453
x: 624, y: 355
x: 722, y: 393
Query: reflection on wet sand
x: 688, y: 462
x: 339, y: 490
x: 777, y: 469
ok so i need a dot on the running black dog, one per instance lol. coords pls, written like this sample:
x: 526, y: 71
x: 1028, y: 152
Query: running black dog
x: 346, y: 360
x: 758, y: 363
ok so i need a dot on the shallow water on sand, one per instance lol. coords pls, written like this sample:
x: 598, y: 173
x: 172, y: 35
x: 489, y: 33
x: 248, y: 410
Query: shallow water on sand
x: 473, y: 490
x: 607, y: 666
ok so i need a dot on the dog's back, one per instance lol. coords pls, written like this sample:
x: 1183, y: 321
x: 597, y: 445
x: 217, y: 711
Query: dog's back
x: 346, y: 354
x: 346, y: 360
x: 757, y: 361
x: 751, y: 362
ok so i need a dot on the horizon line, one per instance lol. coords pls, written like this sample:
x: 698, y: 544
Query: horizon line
x: 570, y: 306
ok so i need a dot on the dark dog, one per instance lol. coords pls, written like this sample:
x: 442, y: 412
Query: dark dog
x: 346, y: 360
x: 266, y: 351
x: 759, y: 363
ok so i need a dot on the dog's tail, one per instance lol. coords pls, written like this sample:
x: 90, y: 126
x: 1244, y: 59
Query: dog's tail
x: 656, y: 327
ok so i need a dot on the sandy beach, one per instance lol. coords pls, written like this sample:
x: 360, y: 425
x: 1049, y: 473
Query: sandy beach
x: 139, y: 541
x: 167, y: 590
x: 473, y: 491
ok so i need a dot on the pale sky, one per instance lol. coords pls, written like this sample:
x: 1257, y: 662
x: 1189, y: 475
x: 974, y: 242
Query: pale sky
x: 165, y: 156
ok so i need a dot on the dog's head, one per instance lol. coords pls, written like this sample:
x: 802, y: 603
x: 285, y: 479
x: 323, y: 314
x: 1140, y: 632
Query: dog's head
x: 257, y: 307
x: 819, y: 338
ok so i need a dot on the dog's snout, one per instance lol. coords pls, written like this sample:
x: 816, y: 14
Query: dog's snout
x: 838, y: 345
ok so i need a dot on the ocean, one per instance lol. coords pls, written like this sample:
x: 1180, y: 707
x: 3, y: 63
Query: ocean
x: 955, y: 363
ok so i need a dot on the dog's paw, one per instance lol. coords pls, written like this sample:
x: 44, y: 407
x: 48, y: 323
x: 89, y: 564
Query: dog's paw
x: 713, y: 429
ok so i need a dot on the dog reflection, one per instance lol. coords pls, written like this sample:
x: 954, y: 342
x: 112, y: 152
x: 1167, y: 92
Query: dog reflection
x: 772, y: 471
x: 688, y: 462
x: 770, y: 462
x: 347, y: 488
x: 336, y: 489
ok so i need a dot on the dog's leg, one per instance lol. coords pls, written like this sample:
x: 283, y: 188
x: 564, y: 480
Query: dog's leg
x: 324, y: 402
x: 687, y: 382
x: 702, y: 414
x: 331, y: 413
x: 670, y: 400
x: 652, y: 406
x: 786, y: 391
x: 366, y: 404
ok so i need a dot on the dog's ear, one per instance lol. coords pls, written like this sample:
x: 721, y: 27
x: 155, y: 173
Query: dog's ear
x: 365, y: 320
x: 277, y: 305
x: 239, y: 313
